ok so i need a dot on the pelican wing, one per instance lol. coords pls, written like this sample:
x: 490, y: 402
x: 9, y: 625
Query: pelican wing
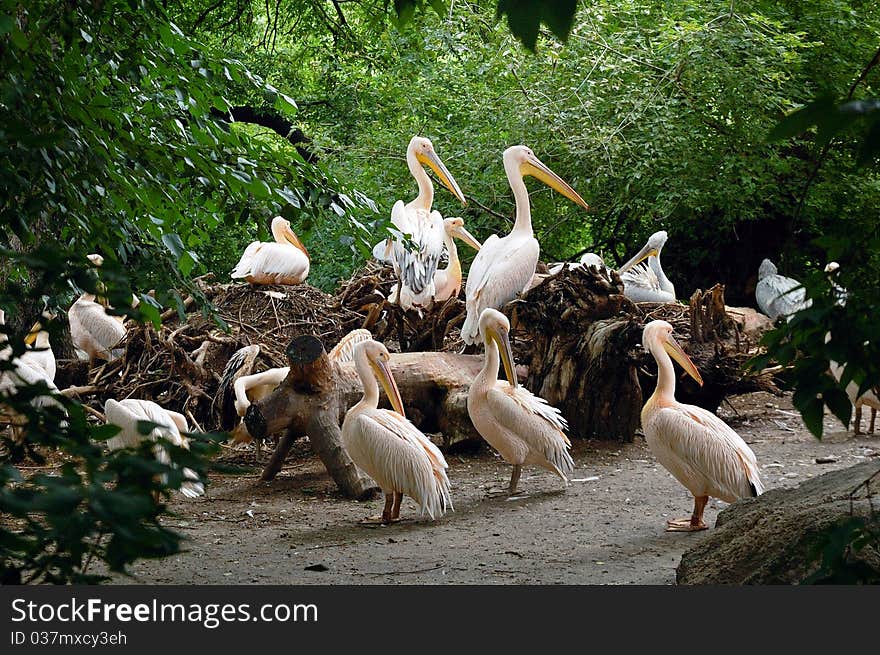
x: 533, y: 420
x: 708, y: 450
x: 642, y: 276
x: 268, y: 263
x: 93, y: 330
x: 416, y: 267
x: 778, y: 295
x: 344, y: 350
x: 399, y: 457
x: 240, y: 364
x: 502, y: 269
x: 25, y: 374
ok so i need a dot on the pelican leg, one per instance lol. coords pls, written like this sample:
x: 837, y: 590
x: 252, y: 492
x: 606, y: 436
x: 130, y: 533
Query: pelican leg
x: 395, y: 508
x: 511, y: 488
x: 858, y: 420
x: 386, y: 512
x: 695, y: 522
x: 873, y: 420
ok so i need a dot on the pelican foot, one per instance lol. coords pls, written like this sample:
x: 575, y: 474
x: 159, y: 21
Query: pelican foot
x: 376, y: 521
x: 503, y: 492
x: 685, y: 525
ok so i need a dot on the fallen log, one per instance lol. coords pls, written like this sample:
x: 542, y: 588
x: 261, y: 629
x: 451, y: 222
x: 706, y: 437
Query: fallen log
x: 314, y: 397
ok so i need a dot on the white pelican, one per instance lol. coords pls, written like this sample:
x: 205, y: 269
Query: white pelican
x: 286, y: 261
x: 778, y: 295
x: 447, y: 281
x: 521, y: 426
x: 247, y: 388
x: 92, y: 330
x: 505, y: 266
x: 126, y: 414
x: 697, y: 447
x: 647, y: 283
x: 416, y: 267
x: 390, y: 449
x: 587, y: 259
x: 40, y: 353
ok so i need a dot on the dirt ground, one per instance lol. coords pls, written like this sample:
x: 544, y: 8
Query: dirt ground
x: 607, y: 527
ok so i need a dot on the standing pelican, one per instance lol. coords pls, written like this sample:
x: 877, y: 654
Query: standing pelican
x: 778, y: 295
x: 127, y: 413
x: 447, y: 281
x: 425, y: 228
x: 389, y: 448
x: 647, y: 283
x: 518, y: 424
x: 697, y: 447
x: 286, y: 261
x: 505, y: 266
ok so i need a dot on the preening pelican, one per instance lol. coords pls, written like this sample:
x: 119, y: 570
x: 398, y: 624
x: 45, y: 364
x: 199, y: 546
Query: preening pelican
x: 126, y: 414
x: 778, y: 295
x: 92, y: 330
x: 390, y: 449
x: 697, y: 447
x: 286, y: 261
x: 447, y: 281
x: 242, y: 388
x: 647, y: 283
x: 505, y: 266
x: 425, y: 228
x: 521, y: 426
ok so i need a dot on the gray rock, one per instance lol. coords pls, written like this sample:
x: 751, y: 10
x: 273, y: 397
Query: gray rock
x: 777, y: 537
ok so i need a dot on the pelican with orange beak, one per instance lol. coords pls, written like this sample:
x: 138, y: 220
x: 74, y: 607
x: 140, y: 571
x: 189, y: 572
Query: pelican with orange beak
x: 521, y: 426
x: 415, y: 265
x: 505, y: 266
x: 390, y: 449
x: 286, y: 261
x: 698, y: 448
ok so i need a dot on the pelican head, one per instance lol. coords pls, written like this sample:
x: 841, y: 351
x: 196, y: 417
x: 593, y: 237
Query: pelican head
x: 96, y: 259
x: 653, y: 247
x: 766, y: 269
x: 495, y: 327
x: 31, y: 336
x: 522, y: 160
x: 284, y: 234
x: 423, y: 151
x: 454, y: 226
x: 831, y: 268
x: 377, y: 356
x: 658, y: 334
x: 592, y: 259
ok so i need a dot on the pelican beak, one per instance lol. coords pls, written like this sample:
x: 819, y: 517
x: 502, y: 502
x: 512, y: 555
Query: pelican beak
x: 536, y: 168
x: 467, y: 237
x: 644, y: 253
x: 32, y: 335
x: 502, y: 338
x: 431, y: 159
x: 383, y: 373
x: 678, y: 354
x: 290, y: 237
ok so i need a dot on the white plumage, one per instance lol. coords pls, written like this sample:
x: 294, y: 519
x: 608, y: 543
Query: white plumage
x: 423, y: 228
x: 646, y: 282
x: 93, y: 330
x: 41, y: 354
x: 390, y: 449
x: 778, y: 295
x: 521, y: 426
x: 505, y: 266
x: 29, y: 369
x: 126, y: 414
x: 286, y: 261
x: 700, y: 450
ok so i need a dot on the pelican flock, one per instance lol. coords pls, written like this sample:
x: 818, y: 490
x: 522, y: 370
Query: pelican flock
x: 390, y: 449
x: 698, y: 448
x: 423, y: 227
x: 646, y: 282
x: 505, y: 266
x: 284, y: 261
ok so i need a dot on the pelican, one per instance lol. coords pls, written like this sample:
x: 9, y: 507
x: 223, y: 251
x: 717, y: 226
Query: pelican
x: 425, y: 228
x: 505, y: 266
x: 246, y: 388
x: 697, y: 447
x: 390, y: 449
x: 284, y: 262
x: 778, y: 295
x: 587, y: 259
x: 518, y: 424
x: 647, y: 283
x: 447, y: 281
x: 40, y: 353
x: 127, y: 413
x: 92, y: 330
